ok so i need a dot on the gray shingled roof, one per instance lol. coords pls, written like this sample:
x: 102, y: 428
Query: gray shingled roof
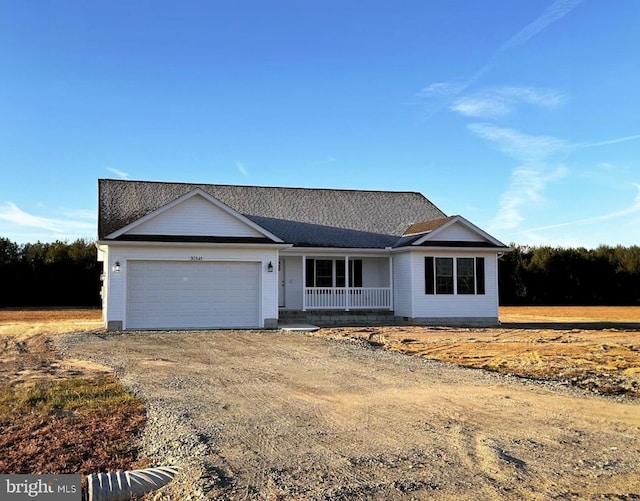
x: 301, y: 216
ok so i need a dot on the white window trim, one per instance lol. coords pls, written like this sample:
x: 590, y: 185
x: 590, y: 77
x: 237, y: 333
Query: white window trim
x: 455, y: 275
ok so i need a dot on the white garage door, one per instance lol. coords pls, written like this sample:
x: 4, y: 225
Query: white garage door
x: 192, y: 295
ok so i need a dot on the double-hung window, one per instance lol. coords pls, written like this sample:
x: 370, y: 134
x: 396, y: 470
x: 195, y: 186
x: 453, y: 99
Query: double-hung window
x: 444, y: 275
x: 332, y: 273
x: 466, y: 278
x: 323, y: 273
x: 448, y: 275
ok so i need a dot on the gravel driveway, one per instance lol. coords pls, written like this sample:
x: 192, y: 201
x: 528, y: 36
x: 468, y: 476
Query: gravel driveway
x: 276, y: 415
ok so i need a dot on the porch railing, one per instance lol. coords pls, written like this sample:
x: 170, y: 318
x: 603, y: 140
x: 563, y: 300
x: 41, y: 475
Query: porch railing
x: 340, y: 298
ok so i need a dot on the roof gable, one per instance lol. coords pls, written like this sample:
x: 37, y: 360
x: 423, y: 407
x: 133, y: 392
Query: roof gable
x: 194, y: 214
x: 455, y: 229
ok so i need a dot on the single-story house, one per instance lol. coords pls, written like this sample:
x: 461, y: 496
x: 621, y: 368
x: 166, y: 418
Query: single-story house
x: 199, y: 256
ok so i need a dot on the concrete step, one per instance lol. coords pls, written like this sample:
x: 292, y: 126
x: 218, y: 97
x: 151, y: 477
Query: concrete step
x: 337, y: 317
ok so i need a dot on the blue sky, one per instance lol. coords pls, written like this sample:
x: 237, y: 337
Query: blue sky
x: 521, y: 116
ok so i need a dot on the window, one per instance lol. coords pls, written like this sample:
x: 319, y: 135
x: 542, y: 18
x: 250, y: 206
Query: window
x: 444, y: 275
x: 340, y: 274
x: 324, y: 273
x: 466, y: 279
x: 441, y: 277
x: 355, y: 272
x: 320, y: 273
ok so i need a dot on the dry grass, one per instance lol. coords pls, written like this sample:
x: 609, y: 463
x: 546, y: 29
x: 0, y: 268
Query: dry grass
x: 60, y: 415
x: 69, y: 426
x: 24, y: 323
x: 570, y: 314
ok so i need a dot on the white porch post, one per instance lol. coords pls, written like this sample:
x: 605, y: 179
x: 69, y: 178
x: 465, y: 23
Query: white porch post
x: 391, y: 283
x: 304, y: 283
x: 346, y: 283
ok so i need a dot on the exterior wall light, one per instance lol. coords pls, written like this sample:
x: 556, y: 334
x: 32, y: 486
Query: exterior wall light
x: 270, y: 267
x: 116, y: 266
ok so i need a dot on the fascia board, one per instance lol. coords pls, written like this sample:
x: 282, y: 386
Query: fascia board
x: 133, y: 243
x: 305, y: 251
x: 457, y: 250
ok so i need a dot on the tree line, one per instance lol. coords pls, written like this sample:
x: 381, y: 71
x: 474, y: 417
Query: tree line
x: 570, y: 276
x: 68, y: 274
x: 49, y: 274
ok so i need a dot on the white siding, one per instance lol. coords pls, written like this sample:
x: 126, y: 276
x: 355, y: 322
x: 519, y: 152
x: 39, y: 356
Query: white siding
x: 103, y: 257
x: 116, y: 282
x: 460, y: 233
x: 375, y: 272
x: 403, y: 287
x: 454, y: 305
x: 195, y: 217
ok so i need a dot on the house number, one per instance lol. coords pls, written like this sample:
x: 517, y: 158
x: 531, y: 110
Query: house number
x: 196, y: 258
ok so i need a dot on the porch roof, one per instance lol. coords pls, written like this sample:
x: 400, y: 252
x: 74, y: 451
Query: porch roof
x: 316, y: 235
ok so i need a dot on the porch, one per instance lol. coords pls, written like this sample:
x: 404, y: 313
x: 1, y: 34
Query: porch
x: 334, y: 282
x: 347, y: 298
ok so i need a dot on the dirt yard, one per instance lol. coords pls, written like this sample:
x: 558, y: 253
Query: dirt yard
x: 592, y: 348
x: 26, y: 352
x: 279, y: 416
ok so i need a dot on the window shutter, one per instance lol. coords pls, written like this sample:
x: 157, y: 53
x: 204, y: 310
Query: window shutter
x: 479, y: 275
x: 429, y: 278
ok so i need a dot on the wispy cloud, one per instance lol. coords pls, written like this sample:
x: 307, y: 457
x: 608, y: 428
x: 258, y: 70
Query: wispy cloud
x: 525, y: 189
x: 242, y: 169
x: 539, y: 163
x: 539, y: 158
x: 634, y: 208
x: 324, y: 161
x: 607, y: 142
x: 441, y: 89
x: 556, y: 11
x: 75, y: 224
x: 501, y: 101
x: 524, y: 147
x: 119, y: 173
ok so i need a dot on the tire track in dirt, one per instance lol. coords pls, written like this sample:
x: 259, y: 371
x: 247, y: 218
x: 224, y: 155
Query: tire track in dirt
x: 283, y: 428
x: 284, y: 416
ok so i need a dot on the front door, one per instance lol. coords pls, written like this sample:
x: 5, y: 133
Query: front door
x: 281, y: 282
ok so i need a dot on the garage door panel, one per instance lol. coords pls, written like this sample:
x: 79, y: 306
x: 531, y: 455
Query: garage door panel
x: 182, y: 295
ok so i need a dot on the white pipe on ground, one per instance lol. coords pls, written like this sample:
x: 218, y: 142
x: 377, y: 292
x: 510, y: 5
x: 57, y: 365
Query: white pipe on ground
x: 125, y: 485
